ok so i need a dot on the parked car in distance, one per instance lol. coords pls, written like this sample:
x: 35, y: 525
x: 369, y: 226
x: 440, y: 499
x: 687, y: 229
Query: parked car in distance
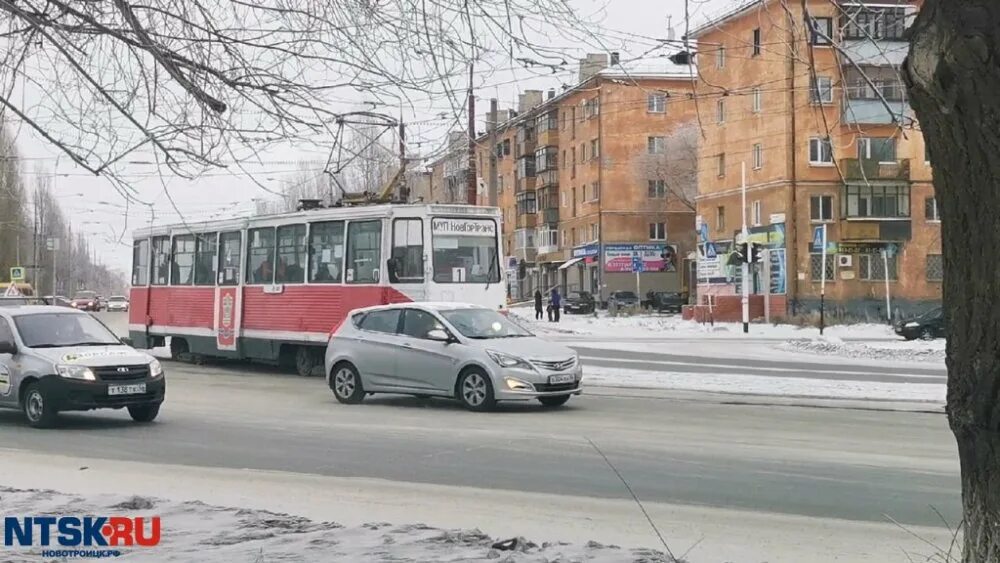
x: 86, y: 301
x: 117, y: 303
x: 623, y: 299
x: 927, y: 326
x: 54, y: 359
x: 665, y: 301
x: 471, y: 353
x: 580, y: 302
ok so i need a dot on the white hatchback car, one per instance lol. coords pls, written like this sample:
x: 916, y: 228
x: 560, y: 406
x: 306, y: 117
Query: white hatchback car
x: 468, y: 352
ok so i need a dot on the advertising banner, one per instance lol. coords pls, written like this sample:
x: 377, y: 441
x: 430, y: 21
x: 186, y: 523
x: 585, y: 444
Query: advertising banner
x: 653, y: 257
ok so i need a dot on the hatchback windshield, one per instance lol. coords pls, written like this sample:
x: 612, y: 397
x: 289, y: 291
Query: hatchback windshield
x: 483, y: 323
x: 55, y: 330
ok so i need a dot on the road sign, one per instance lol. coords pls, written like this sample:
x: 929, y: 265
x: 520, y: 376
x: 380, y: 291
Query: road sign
x: 12, y: 291
x: 17, y: 274
x: 710, y: 251
x: 638, y: 266
x: 819, y: 238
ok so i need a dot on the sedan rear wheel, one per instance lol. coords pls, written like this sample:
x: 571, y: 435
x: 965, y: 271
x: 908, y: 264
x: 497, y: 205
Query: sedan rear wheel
x: 475, y: 391
x: 346, y: 384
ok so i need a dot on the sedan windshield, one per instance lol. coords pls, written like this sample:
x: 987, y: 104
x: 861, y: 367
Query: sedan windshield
x: 56, y: 330
x: 85, y: 295
x: 483, y: 323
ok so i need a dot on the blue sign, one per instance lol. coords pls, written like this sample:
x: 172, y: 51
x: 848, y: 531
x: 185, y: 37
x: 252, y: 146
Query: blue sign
x: 703, y: 232
x: 586, y: 251
x: 819, y: 238
x: 638, y: 265
x: 710, y: 251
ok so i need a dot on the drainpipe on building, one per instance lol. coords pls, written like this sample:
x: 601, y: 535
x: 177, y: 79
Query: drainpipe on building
x: 600, y: 198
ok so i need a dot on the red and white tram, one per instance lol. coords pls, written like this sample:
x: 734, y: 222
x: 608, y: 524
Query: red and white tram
x: 273, y: 287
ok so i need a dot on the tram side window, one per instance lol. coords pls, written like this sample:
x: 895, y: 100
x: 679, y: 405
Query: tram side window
x: 161, y: 260
x: 204, y: 259
x: 140, y: 262
x: 291, y: 254
x: 364, y: 246
x: 260, y: 256
x: 407, y: 262
x: 182, y: 260
x: 229, y: 258
x: 326, y: 252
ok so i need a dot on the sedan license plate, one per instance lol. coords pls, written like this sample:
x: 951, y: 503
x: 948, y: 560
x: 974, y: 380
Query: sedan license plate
x: 562, y: 378
x: 134, y: 389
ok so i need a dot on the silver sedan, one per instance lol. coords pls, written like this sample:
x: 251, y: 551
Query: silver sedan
x: 468, y: 352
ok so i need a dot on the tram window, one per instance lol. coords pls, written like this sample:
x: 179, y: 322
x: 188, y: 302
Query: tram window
x: 260, y: 256
x: 291, y: 254
x: 204, y: 259
x: 364, y: 246
x: 229, y: 258
x: 140, y: 262
x: 182, y: 260
x: 407, y: 261
x: 326, y: 252
x: 161, y: 260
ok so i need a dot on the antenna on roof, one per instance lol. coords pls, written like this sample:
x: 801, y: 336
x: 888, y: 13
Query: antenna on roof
x: 670, y: 29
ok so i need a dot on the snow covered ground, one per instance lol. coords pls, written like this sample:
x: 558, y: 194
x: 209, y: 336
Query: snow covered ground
x: 765, y: 385
x: 896, y: 351
x: 195, y: 531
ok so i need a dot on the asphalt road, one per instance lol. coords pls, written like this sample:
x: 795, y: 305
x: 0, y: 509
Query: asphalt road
x: 832, y: 463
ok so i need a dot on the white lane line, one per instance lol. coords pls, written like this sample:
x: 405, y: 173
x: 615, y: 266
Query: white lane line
x: 756, y: 368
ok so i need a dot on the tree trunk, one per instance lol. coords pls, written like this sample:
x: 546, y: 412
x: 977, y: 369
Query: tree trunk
x: 952, y: 74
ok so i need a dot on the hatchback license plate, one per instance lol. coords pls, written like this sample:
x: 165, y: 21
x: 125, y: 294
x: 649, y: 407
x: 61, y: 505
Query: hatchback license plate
x: 563, y: 378
x: 127, y: 389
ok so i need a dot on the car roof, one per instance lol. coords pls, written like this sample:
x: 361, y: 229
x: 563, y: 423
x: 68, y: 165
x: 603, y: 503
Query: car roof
x: 425, y: 305
x: 25, y: 310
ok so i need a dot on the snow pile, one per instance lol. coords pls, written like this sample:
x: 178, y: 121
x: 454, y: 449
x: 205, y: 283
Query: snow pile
x: 900, y: 351
x: 194, y: 531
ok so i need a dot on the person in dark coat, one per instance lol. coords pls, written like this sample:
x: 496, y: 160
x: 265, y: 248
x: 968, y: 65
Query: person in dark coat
x: 555, y: 301
x: 538, y: 305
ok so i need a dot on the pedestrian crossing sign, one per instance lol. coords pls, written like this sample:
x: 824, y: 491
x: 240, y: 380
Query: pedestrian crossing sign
x: 12, y: 291
x: 17, y: 274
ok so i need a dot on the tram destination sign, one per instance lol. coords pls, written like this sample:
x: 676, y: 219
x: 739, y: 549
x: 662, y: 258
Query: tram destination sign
x: 464, y: 227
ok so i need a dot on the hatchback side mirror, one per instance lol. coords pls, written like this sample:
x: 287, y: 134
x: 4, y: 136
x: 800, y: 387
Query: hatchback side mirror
x: 438, y: 335
x: 8, y: 347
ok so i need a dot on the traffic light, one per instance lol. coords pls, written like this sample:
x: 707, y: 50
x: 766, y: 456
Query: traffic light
x: 756, y: 252
x: 739, y: 255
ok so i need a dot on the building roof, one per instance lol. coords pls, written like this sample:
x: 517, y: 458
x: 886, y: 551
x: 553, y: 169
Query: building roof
x: 738, y: 9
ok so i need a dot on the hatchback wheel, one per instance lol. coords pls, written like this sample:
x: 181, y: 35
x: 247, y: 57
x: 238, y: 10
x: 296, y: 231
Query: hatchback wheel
x: 37, y: 408
x: 475, y: 391
x: 346, y: 384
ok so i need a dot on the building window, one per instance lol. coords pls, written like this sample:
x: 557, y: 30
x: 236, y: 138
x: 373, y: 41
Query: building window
x: 564, y: 199
x: 756, y: 42
x: 755, y: 213
x: 526, y: 203
x: 656, y: 103
x: 720, y: 218
x: 820, y: 151
x: 526, y: 167
x: 815, y: 261
x: 755, y: 100
x: 871, y: 267
x: 593, y: 231
x: 821, y: 90
x: 872, y: 24
x: 758, y: 156
x: 935, y: 268
x: 931, y: 210
x: 821, y: 208
x: 657, y: 189
x: 547, y: 121
x: 657, y: 231
x: 524, y: 239
x: 595, y: 191
x: 720, y: 57
x: 500, y: 185
x: 880, y: 149
x: 546, y: 159
x: 878, y: 201
x: 822, y: 31
x: 656, y: 145
x: 720, y: 111
x: 595, y: 149
x: 564, y: 241
x: 721, y: 164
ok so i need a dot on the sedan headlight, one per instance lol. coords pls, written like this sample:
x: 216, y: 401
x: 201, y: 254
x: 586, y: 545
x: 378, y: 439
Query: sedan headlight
x: 75, y: 372
x: 155, y: 368
x: 912, y: 325
x: 508, y: 361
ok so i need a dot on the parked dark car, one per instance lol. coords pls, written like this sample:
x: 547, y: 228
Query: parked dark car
x: 580, y: 302
x: 665, y: 301
x: 623, y: 299
x: 928, y: 326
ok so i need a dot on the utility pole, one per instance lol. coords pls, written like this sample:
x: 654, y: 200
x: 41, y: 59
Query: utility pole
x: 470, y: 175
x: 491, y: 124
x: 404, y: 191
x: 746, y: 259
x: 822, y: 285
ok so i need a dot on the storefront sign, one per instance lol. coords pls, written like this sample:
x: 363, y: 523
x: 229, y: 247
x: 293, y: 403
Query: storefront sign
x: 655, y: 257
x: 867, y: 247
x: 586, y: 250
x: 464, y: 227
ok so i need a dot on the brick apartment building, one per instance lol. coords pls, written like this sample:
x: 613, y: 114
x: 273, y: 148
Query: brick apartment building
x: 818, y: 115
x: 593, y: 179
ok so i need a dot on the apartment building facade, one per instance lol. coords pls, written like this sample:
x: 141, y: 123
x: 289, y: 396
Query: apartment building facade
x: 810, y: 101
x: 590, y: 181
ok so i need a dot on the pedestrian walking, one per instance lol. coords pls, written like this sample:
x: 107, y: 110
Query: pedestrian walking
x: 556, y: 301
x: 538, y: 304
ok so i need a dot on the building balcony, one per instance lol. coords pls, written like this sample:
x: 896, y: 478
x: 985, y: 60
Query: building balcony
x: 526, y: 220
x: 867, y: 111
x: 525, y: 148
x: 864, y: 51
x: 550, y: 215
x: 548, y: 179
x: 876, y: 229
x: 548, y: 249
x: 526, y: 184
x: 549, y: 137
x: 856, y: 169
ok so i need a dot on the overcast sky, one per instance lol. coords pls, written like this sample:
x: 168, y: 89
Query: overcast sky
x: 96, y: 209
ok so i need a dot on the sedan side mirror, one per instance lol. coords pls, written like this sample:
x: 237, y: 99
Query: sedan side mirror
x: 8, y: 347
x: 438, y: 335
